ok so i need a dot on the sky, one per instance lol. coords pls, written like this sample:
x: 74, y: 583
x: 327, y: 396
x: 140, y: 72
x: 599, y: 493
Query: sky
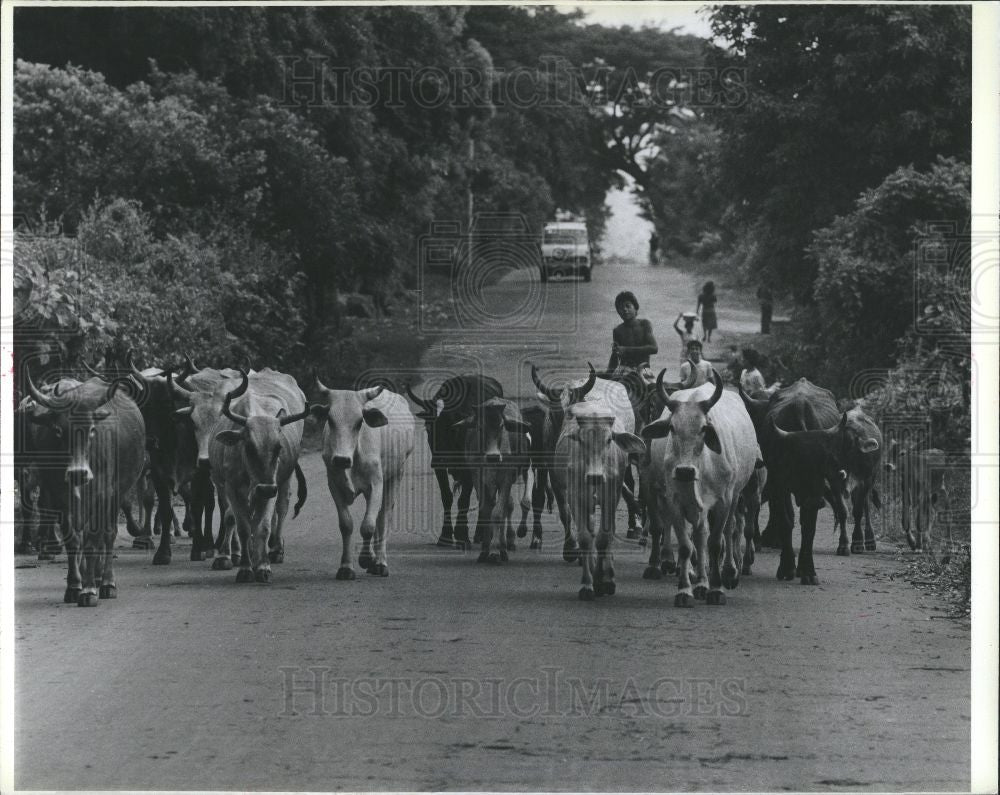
x: 662, y: 15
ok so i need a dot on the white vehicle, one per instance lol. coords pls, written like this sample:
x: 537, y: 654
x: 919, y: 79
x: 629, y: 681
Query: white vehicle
x: 565, y: 250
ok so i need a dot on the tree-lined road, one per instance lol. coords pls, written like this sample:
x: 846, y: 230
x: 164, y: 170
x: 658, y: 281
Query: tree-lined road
x: 453, y: 675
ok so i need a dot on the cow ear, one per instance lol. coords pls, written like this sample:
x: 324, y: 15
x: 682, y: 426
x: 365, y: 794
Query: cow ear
x: 229, y: 438
x: 516, y: 426
x: 462, y: 423
x: 869, y: 445
x: 712, y: 439
x: 890, y: 467
x: 319, y: 410
x: 630, y: 443
x: 184, y: 412
x: 374, y: 418
x: 656, y: 430
x: 101, y: 414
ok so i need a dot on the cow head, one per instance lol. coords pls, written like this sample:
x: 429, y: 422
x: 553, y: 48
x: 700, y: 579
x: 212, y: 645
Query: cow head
x: 72, y: 417
x: 593, y: 436
x: 260, y: 439
x: 344, y: 411
x: 691, y: 432
x: 494, y: 420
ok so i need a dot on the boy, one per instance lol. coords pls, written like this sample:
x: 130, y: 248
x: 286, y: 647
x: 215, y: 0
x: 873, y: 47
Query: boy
x: 702, y: 369
x: 633, y: 342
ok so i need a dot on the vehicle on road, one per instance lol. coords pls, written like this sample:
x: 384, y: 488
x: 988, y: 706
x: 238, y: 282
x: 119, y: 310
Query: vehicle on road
x: 566, y: 250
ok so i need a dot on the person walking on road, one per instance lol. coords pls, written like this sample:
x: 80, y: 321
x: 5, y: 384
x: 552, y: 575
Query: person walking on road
x: 706, y: 309
x: 654, y: 249
x: 766, y: 308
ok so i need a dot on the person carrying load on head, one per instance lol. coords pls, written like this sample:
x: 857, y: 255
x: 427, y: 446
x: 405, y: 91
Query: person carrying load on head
x: 687, y: 333
x: 695, y: 371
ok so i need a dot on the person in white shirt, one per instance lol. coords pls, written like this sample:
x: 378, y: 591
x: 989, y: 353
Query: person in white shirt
x: 752, y: 380
x: 702, y: 369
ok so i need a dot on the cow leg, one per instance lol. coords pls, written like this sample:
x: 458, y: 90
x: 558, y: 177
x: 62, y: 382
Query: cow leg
x: 685, y: 549
x: 465, y: 481
x: 730, y: 535
x: 526, y: 503
x: 584, y: 529
x: 342, y: 499
x: 485, y: 530
x: 857, y: 506
x: 259, y: 538
x: 73, y: 540
x: 241, y: 523
x: 276, y: 542
x: 538, y: 505
x: 164, y: 518
x: 628, y: 480
x: 866, y: 507
x: 201, y: 495
x: 786, y: 566
x: 204, y: 519
x: 92, y: 539
x: 701, y: 528
x: 806, y: 570
x: 604, y: 583
x: 509, y: 543
x: 656, y: 533
x: 446, y: 539
x: 571, y: 552
x: 835, y: 498
x: 225, y: 559
x: 373, y: 542
x: 108, y: 589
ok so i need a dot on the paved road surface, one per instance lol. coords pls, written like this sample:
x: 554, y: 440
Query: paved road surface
x: 453, y: 675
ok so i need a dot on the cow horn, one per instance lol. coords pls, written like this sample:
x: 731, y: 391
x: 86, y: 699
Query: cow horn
x: 662, y: 387
x: 706, y: 405
x: 581, y: 391
x: 239, y: 419
x: 426, y: 405
x: 372, y: 392
x: 190, y: 365
x: 778, y: 432
x: 92, y: 370
x: 551, y: 394
x: 290, y: 418
x: 46, y: 401
x: 319, y: 384
x: 751, y: 403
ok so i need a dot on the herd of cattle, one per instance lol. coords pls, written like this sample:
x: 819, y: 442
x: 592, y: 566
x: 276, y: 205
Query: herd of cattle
x: 704, y: 458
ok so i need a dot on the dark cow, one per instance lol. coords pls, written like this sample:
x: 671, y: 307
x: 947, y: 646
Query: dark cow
x: 799, y: 470
x: 253, y: 455
x: 95, y: 447
x: 497, y: 452
x: 456, y: 399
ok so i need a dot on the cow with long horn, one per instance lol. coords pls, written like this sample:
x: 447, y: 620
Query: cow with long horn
x: 367, y: 437
x: 94, y: 454
x: 457, y: 398
x: 702, y: 457
x: 557, y: 401
x: 253, y: 454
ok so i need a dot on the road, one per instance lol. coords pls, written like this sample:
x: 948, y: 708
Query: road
x: 452, y: 675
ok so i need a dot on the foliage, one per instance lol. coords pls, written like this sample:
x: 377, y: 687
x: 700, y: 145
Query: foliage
x: 217, y: 299
x: 837, y: 98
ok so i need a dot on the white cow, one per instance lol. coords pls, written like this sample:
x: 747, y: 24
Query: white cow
x: 611, y: 395
x: 590, y: 460
x: 703, y: 455
x: 367, y: 437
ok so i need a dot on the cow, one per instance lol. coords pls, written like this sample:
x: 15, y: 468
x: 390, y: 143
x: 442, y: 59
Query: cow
x: 197, y: 399
x: 800, y: 406
x: 591, y: 456
x: 497, y: 452
x: 557, y: 402
x: 95, y: 446
x: 851, y: 453
x: 253, y: 454
x: 923, y: 492
x: 456, y: 399
x: 367, y: 438
x: 703, y: 452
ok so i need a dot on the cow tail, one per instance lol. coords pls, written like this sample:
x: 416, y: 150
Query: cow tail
x: 876, y: 499
x: 302, y: 491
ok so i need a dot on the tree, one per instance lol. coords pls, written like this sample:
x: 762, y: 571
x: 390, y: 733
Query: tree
x: 837, y: 98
